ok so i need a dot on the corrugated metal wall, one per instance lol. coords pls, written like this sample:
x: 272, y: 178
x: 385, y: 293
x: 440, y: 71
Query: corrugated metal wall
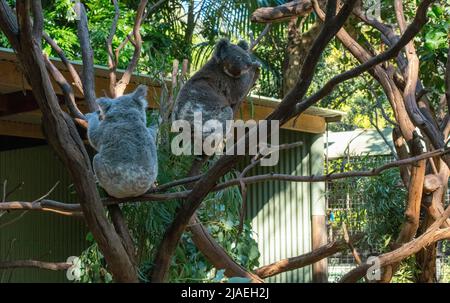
x: 281, y: 211
x: 41, y: 236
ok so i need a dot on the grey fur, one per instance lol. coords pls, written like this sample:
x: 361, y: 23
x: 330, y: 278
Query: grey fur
x: 126, y: 164
x: 219, y: 87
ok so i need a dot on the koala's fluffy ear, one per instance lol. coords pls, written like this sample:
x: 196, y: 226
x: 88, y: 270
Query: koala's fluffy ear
x: 221, y: 48
x: 140, y: 95
x: 104, y: 104
x: 244, y: 45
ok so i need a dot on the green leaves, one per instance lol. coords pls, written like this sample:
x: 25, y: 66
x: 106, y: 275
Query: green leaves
x: 435, y: 39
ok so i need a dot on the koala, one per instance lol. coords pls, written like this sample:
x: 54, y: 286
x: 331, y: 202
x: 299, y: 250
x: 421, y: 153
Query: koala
x: 219, y: 87
x: 126, y: 164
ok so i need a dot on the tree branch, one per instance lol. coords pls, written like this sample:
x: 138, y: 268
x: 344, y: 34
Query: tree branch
x: 69, y: 96
x: 73, y: 72
x: 412, y: 30
x: 112, y: 60
x: 137, y: 43
x: 293, y: 263
x: 34, y: 264
x: 51, y: 205
x: 87, y: 54
x: 282, y: 12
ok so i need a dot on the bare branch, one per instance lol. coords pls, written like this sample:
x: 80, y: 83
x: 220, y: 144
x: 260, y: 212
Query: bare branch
x: 38, y: 21
x: 73, y: 72
x: 282, y: 12
x: 87, y: 54
x: 112, y: 60
x: 69, y: 96
x: 432, y: 235
x: 214, y: 253
x: 254, y: 42
x: 447, y: 78
x: 293, y: 263
x: 411, y: 31
x: 350, y: 244
x: 35, y: 264
x: 137, y: 43
x: 8, y: 23
x: 50, y: 205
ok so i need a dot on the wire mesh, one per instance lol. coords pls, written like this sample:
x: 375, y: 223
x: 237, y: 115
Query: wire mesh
x: 347, y: 203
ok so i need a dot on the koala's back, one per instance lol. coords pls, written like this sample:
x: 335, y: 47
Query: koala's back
x: 125, y: 142
x: 126, y: 165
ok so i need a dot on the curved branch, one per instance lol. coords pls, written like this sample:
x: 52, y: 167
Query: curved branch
x: 69, y: 96
x: 293, y: 263
x: 412, y: 30
x: 73, y: 72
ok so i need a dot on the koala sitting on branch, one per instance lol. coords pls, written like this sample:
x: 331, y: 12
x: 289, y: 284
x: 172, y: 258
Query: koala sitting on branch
x: 219, y: 87
x: 126, y: 164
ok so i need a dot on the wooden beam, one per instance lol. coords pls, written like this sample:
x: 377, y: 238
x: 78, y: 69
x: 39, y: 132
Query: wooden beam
x: 20, y: 129
x: 13, y: 78
x: 305, y: 123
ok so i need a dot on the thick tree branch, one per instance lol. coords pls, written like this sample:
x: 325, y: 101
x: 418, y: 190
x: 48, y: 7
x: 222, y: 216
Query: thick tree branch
x: 304, y: 260
x: 282, y: 12
x: 432, y: 235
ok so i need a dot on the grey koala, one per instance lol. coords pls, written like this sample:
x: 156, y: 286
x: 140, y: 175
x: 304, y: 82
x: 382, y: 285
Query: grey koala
x: 219, y: 87
x: 127, y: 162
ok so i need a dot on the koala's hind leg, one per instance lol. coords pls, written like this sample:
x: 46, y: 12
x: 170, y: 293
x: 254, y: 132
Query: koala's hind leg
x: 105, y: 176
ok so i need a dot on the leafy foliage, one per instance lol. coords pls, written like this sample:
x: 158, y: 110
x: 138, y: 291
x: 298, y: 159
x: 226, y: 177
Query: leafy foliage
x: 373, y: 206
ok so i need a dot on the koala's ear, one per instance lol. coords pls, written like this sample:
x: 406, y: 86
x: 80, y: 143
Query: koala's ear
x: 221, y: 48
x: 104, y: 104
x: 140, y: 95
x: 244, y: 45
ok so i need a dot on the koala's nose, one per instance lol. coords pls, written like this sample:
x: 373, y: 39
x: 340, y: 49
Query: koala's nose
x: 236, y: 72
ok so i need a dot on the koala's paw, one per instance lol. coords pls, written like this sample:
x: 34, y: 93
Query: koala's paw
x: 256, y: 64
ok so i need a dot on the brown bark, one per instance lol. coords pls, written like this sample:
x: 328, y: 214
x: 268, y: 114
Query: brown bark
x: 282, y: 12
x: 34, y: 264
x: 430, y: 236
x: 304, y: 260
x: 215, y: 254
x: 297, y: 48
